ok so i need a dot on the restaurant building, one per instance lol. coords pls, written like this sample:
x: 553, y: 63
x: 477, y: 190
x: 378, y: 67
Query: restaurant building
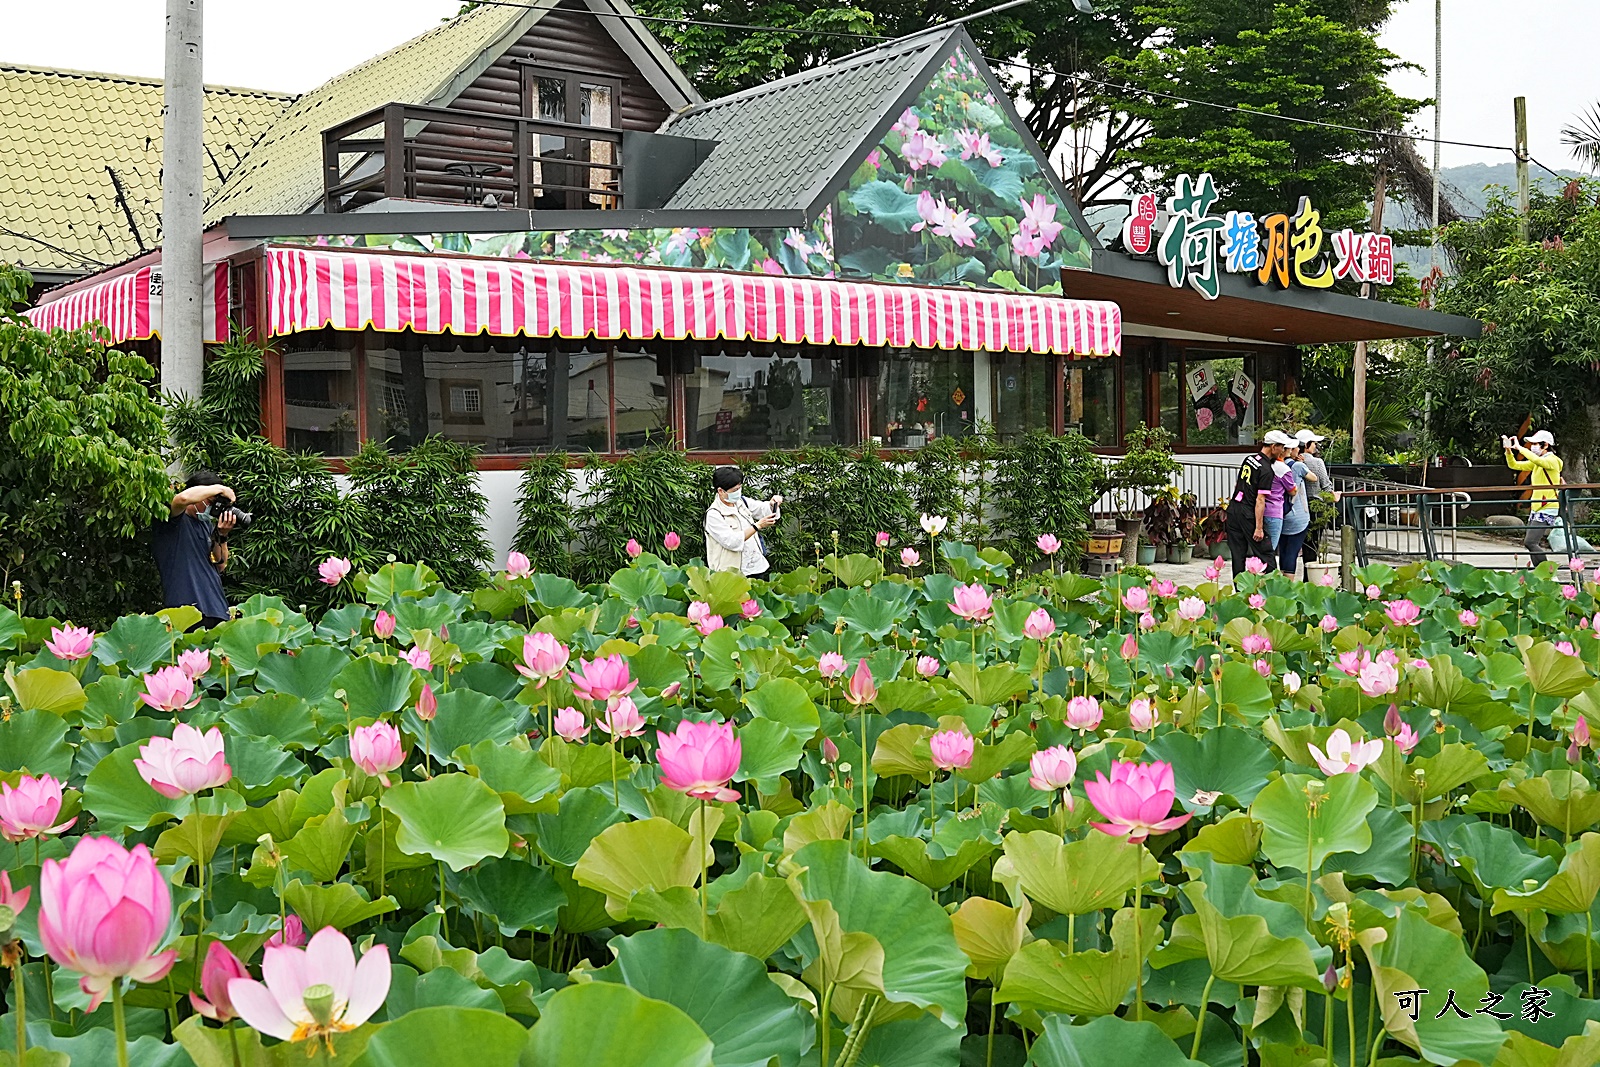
x: 526, y: 231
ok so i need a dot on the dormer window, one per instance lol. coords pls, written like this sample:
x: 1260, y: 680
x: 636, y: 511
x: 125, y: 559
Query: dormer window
x: 573, y: 98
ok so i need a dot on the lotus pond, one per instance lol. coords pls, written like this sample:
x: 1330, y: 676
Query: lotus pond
x: 853, y: 816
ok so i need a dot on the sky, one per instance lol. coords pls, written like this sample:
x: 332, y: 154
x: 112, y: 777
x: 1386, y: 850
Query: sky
x: 1494, y: 50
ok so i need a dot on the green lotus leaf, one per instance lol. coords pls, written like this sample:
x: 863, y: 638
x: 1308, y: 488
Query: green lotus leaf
x: 35, y: 741
x: 517, y: 894
x: 455, y: 818
x: 46, y: 689
x: 1079, y: 877
x: 308, y: 674
x: 785, y: 701
x: 633, y: 856
x: 1553, y: 673
x: 637, y: 1030
x: 1108, y: 1039
x: 1044, y: 976
x: 1307, y: 820
x: 1224, y: 760
x: 1570, y: 890
x: 373, y: 688
x: 137, y: 642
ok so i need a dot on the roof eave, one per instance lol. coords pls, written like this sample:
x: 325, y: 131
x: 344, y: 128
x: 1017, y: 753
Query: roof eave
x: 502, y: 220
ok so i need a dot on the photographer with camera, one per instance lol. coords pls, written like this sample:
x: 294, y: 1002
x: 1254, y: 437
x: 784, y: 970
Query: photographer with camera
x: 1539, y: 459
x: 734, y: 525
x: 191, y: 546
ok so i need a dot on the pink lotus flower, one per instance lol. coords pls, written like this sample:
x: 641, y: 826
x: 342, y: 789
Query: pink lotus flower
x: 970, y: 602
x: 1039, y: 625
x: 194, y: 662
x: 1256, y: 644
x: 518, y: 565
x: 1329, y: 624
x: 671, y: 691
x: 1049, y: 544
x: 672, y: 541
x: 699, y: 758
x: 427, y: 703
x: 31, y: 808
x: 698, y: 610
x: 1263, y: 668
x: 1352, y: 662
x: 1136, y: 800
x: 1214, y: 571
x: 830, y: 751
x: 1402, y: 612
x: 1566, y: 648
x: 292, y: 934
x: 1191, y: 609
x: 1406, y: 739
x: 1165, y: 589
x: 16, y: 900
x: 1136, y: 599
x: 1327, y: 580
x: 922, y: 150
x: 927, y: 666
x: 1291, y: 683
x: 1468, y: 617
x: 881, y: 539
x: 315, y: 992
x: 1569, y: 592
x: 621, y: 718
x: 70, y: 642
x: 1392, y: 720
x: 1580, y: 731
x: 602, y: 678
x: 1027, y: 243
x: 750, y: 609
x: 1575, y: 565
x: 909, y: 557
x: 185, y: 763
x: 1257, y: 601
x: 221, y: 967
x: 1255, y: 565
x: 1373, y: 592
x: 1130, y: 647
x: 1083, y: 714
x: 570, y: 724
x: 1052, y: 769
x: 1142, y: 715
x: 976, y: 145
x: 830, y: 665
x: 543, y: 658
x: 633, y: 548
x: 951, y: 749
x: 377, y: 750
x: 1147, y: 622
x: 1378, y: 678
x: 383, y: 626
x: 1344, y: 756
x: 1039, y: 215
x: 169, y: 689
x: 333, y: 570
x: 419, y: 658
x: 861, y: 689
x: 103, y: 912
x: 709, y: 625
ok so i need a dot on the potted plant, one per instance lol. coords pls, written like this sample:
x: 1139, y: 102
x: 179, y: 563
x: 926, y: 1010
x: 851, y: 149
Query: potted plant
x: 1161, y: 520
x: 1186, y: 522
x: 1211, y: 529
x: 1144, y: 469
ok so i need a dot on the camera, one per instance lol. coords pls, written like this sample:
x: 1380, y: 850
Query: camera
x: 222, y: 507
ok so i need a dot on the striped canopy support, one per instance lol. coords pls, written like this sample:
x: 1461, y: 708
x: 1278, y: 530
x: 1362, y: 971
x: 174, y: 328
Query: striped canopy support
x: 128, y: 306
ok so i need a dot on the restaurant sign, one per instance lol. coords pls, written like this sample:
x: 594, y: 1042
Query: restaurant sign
x: 1280, y: 249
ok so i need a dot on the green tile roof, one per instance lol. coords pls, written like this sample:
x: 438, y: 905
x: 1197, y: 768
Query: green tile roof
x: 781, y: 143
x: 282, y: 175
x: 69, y: 138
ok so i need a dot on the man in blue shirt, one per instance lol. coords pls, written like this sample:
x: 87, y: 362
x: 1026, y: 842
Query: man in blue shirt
x: 191, y: 549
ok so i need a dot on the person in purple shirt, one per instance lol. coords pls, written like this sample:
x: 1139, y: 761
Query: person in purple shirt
x: 1282, y: 488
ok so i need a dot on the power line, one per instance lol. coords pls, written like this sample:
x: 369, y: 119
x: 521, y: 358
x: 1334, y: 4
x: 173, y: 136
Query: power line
x: 635, y: 16
x: 54, y: 248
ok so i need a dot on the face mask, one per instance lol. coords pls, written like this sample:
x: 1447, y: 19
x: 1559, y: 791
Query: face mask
x: 734, y: 495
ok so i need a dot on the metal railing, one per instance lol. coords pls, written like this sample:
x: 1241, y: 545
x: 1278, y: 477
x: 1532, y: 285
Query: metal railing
x: 409, y: 151
x: 1403, y: 523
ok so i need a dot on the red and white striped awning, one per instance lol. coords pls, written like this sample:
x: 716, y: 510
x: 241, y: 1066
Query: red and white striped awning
x: 311, y: 288
x: 128, y: 307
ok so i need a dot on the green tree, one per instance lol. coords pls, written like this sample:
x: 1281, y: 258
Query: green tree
x: 1539, y: 355
x: 81, y: 473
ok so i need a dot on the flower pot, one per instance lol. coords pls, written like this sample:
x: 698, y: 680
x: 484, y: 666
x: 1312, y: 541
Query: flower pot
x: 1177, y: 553
x: 1103, y: 543
x: 1130, y: 538
x: 1147, y: 555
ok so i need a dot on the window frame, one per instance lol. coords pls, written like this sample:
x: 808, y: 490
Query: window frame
x: 574, y: 78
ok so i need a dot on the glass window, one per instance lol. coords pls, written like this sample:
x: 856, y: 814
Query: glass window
x: 1091, y: 399
x: 503, y: 395
x: 1171, y: 399
x: 920, y: 394
x: 641, y: 400
x: 1222, y: 399
x: 753, y: 402
x: 319, y: 393
x: 1024, y: 393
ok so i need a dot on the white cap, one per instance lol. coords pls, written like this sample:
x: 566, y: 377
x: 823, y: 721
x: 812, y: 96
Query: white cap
x: 1278, y: 437
x: 1542, y: 437
x: 1308, y: 436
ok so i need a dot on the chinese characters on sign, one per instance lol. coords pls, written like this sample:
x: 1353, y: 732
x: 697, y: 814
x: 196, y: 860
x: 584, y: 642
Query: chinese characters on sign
x: 1278, y: 249
x: 1409, y: 1002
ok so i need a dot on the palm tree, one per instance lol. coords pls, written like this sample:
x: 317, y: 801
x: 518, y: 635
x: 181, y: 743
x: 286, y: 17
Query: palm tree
x: 1583, y: 135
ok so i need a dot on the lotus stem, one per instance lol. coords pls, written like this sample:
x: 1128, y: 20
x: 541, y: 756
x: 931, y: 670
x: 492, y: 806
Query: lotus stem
x: 866, y: 799
x: 120, y: 1022
x: 383, y: 849
x: 22, y: 1004
x: 823, y: 1024
x: 444, y: 916
x: 701, y: 847
x: 1350, y: 1006
x: 858, y: 1032
x: 1072, y: 934
x: 233, y: 1043
x: 1377, y: 1043
x: 1138, y: 945
x: 615, y: 796
x: 1200, y: 1019
x: 988, y: 1056
x: 1588, y: 950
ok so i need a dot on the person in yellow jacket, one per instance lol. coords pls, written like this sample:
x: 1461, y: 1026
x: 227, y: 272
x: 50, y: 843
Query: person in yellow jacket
x: 1539, y: 458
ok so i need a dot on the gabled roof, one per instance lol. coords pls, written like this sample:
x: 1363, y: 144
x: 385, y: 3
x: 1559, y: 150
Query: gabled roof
x: 283, y: 175
x: 781, y: 144
x: 69, y: 139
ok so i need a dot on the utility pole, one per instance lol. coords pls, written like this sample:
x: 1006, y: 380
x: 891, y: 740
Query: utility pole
x: 1358, y: 406
x: 1433, y: 243
x: 1520, y: 107
x: 182, y: 203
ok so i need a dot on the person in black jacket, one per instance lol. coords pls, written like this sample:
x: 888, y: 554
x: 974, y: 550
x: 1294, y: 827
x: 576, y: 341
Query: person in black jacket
x: 1247, y: 510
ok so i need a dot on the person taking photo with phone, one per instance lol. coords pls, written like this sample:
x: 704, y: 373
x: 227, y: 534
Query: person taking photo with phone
x: 1536, y: 454
x: 191, y: 547
x: 734, y: 525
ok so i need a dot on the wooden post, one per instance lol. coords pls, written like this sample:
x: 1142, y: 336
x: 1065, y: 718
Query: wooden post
x: 1520, y: 108
x: 1347, y: 557
x: 1358, y: 406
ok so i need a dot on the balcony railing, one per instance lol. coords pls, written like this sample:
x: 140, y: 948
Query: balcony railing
x: 412, y: 152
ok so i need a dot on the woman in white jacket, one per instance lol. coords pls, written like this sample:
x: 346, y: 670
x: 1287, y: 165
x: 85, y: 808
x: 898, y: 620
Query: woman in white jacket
x: 734, y: 524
